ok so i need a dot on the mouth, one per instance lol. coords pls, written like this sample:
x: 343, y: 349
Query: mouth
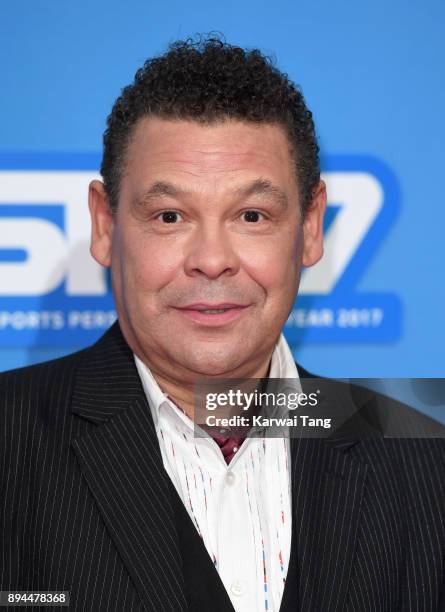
x: 212, y: 315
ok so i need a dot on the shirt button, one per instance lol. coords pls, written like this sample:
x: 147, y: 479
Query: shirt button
x: 230, y: 478
x: 237, y: 588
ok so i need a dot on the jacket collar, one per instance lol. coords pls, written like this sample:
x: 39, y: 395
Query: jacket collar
x: 107, y: 381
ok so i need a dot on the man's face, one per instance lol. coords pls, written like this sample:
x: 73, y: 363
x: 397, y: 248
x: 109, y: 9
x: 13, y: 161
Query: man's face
x: 206, y: 245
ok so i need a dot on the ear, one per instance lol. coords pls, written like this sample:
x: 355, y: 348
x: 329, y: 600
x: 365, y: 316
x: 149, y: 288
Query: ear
x: 313, y: 226
x: 101, y: 223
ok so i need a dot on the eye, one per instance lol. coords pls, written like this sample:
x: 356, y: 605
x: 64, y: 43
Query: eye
x: 169, y: 216
x: 252, y: 216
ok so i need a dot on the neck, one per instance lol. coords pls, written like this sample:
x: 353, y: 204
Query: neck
x: 183, y: 394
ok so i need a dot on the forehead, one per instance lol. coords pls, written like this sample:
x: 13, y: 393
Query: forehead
x: 218, y: 154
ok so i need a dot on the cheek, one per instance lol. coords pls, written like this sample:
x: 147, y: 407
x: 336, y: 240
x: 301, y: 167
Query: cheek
x: 275, y: 263
x: 146, y: 263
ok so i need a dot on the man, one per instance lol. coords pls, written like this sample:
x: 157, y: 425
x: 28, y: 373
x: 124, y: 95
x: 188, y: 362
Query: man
x: 210, y: 205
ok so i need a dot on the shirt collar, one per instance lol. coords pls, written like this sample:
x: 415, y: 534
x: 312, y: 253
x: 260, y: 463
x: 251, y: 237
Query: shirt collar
x: 282, y: 363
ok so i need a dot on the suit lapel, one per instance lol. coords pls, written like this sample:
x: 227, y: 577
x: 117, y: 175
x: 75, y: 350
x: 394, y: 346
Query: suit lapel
x: 122, y: 464
x: 327, y: 490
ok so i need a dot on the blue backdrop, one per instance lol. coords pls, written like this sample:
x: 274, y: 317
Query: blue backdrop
x: 373, y: 75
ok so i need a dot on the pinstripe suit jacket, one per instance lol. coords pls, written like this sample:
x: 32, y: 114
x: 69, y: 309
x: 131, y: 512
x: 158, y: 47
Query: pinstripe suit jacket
x: 87, y: 507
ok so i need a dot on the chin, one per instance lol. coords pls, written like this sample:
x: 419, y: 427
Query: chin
x: 213, y: 360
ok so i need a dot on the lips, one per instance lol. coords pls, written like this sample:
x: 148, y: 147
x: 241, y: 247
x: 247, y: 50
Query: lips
x: 212, y: 315
x: 203, y: 306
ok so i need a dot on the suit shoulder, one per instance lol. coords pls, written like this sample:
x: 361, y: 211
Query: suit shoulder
x: 362, y: 412
x: 42, y: 384
x: 39, y: 371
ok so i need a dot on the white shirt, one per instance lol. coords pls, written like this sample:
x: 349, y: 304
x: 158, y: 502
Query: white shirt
x: 242, y: 510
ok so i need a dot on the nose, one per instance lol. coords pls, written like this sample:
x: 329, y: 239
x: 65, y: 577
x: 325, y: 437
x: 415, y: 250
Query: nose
x: 211, y: 253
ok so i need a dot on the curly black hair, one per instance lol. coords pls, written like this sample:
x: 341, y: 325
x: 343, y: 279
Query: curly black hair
x: 207, y: 80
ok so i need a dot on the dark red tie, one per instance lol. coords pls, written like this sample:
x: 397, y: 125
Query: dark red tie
x: 229, y: 446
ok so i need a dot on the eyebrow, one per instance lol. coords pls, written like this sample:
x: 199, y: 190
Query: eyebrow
x: 264, y: 187
x: 160, y: 188
x: 258, y: 187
